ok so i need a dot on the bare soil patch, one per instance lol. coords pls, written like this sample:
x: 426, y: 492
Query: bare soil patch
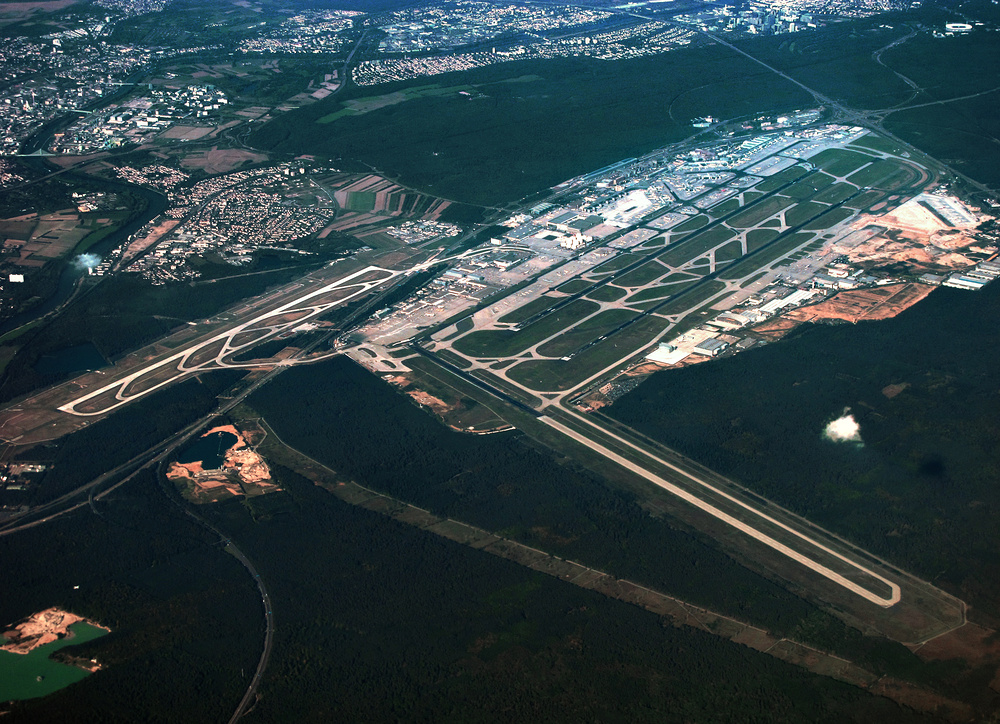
x: 857, y: 305
x: 221, y: 160
x: 41, y: 628
x: 244, y: 471
x: 188, y: 133
x: 25, y: 9
x: 140, y: 245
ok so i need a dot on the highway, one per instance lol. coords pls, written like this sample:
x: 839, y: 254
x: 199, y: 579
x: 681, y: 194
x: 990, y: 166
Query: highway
x: 250, y: 696
x: 150, y: 456
x: 862, y: 118
x: 251, y: 693
x: 157, y: 455
x: 281, y: 312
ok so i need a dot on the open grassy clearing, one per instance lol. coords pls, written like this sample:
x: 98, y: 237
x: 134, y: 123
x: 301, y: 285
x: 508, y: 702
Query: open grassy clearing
x: 775, y: 182
x: 749, y: 196
x: 807, y: 187
x: 877, y: 143
x: 573, y: 286
x: 619, y: 262
x: 588, y: 330
x: 648, y: 272
x: 502, y: 384
x: 758, y: 237
x: 835, y: 194
x: 360, y: 201
x: 461, y: 327
x: 645, y: 306
x: 865, y: 200
x: 679, y: 254
x: 529, y: 310
x: 883, y: 174
x: 448, y: 356
x: 840, y: 162
x: 607, y: 293
x: 662, y: 290
x: 726, y: 207
x: 759, y: 212
x: 802, y: 212
x: 367, y: 104
x: 505, y: 343
x: 555, y: 375
x: 692, y: 224
x: 829, y: 219
x: 729, y: 252
x: 704, y: 292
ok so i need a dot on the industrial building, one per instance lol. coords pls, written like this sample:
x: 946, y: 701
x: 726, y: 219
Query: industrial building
x: 711, y: 347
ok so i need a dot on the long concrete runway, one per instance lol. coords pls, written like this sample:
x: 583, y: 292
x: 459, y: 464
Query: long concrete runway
x: 813, y: 565
x: 179, y: 362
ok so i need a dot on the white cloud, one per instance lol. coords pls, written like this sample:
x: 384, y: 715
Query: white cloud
x: 843, y: 429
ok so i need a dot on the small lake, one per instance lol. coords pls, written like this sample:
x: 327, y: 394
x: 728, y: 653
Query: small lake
x: 19, y: 673
x: 210, y: 450
x: 81, y: 358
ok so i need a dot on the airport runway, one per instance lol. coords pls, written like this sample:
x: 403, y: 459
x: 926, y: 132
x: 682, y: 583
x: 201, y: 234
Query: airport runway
x: 811, y: 564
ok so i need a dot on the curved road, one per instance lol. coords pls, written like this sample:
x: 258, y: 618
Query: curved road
x: 860, y: 118
x: 251, y: 694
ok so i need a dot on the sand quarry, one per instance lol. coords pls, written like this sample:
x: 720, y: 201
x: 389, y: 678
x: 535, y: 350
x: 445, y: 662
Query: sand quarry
x: 243, y: 472
x: 42, y: 628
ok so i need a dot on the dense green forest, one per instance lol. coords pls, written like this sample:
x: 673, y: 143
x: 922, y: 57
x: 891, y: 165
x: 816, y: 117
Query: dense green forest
x: 840, y: 62
x: 343, y: 416
x: 564, y: 117
x: 837, y: 60
x: 186, y: 618
x: 378, y: 621
x: 921, y: 487
x: 375, y: 621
